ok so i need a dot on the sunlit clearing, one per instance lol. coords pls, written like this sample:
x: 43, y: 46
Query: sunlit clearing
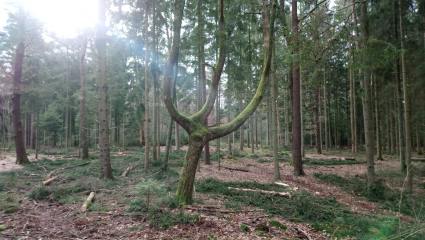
x: 66, y: 18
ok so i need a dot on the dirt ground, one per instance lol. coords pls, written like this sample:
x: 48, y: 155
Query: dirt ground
x: 46, y: 220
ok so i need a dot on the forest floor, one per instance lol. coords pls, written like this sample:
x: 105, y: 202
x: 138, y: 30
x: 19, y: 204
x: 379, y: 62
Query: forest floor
x: 329, y: 202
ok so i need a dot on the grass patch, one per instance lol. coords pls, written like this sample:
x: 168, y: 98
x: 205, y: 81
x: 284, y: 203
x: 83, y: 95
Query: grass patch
x: 164, y: 219
x: 8, y: 203
x: 387, y: 198
x: 324, y: 214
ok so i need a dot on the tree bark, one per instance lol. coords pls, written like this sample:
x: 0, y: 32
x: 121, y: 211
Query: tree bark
x: 103, y: 102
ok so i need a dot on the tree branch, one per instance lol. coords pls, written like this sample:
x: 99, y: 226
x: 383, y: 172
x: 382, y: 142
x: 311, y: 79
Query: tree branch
x: 268, y: 32
x: 181, y: 119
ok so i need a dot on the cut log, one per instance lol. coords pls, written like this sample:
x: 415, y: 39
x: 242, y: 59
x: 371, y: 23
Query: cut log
x: 87, y: 203
x: 127, y: 170
x: 235, y: 169
x: 49, y: 180
x: 282, y: 194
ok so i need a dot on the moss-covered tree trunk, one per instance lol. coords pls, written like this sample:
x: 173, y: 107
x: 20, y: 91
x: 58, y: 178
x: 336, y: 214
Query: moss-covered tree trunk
x: 195, y: 124
x: 187, y: 176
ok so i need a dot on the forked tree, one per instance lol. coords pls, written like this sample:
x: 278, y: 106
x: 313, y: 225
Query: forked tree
x: 196, y: 125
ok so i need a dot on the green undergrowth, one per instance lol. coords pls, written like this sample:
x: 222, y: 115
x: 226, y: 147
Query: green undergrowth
x: 386, y: 197
x: 324, y: 214
x: 76, y: 178
x: 330, y: 162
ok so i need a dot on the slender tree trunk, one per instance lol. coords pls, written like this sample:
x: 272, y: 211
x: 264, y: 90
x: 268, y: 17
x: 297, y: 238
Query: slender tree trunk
x: 103, y: 108
x: 217, y: 103
x: 170, y: 125
x: 84, y: 146
x: 296, y: 100
x: 399, y: 104
x: 241, y: 131
x: 367, y: 113
x: 353, y: 113
x: 274, y: 119
x: 146, y: 101
x: 406, y: 113
x: 317, y: 114
x: 21, y: 155
x: 377, y: 121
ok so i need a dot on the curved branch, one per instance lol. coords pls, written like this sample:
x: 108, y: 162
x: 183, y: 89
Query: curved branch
x: 268, y: 31
x: 181, y: 119
x: 218, y: 69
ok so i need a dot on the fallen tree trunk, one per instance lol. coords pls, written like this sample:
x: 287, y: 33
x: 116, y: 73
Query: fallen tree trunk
x: 87, y: 203
x: 282, y: 194
x: 235, y: 169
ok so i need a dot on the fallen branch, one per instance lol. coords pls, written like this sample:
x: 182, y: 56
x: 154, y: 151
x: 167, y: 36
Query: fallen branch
x: 235, y: 169
x: 127, y: 170
x: 202, y: 209
x: 64, y: 168
x: 281, y: 184
x: 49, y: 180
x: 283, y: 194
x: 87, y: 203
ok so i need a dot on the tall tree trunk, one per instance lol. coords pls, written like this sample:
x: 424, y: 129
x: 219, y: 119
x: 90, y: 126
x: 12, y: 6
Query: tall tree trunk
x: 21, y: 155
x: 407, y: 127
x: 274, y: 119
x: 146, y: 100
x: 353, y: 113
x: 103, y: 108
x: 296, y: 96
x: 366, y: 99
x: 84, y: 146
x: 399, y: 96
